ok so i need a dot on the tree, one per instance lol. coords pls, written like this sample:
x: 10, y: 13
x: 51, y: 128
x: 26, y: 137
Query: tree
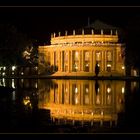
x: 12, y: 45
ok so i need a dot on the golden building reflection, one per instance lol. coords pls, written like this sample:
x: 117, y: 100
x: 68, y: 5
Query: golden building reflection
x: 82, y: 100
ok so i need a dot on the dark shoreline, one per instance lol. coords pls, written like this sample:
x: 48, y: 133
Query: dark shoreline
x: 74, y: 77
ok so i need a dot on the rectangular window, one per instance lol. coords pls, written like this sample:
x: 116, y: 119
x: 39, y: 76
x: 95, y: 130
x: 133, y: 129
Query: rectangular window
x: 109, y: 56
x: 98, y: 56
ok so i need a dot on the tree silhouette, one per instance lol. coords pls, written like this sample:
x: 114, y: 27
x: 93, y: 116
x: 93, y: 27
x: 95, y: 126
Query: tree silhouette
x: 12, y: 45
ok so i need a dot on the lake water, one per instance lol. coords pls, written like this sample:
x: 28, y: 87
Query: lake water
x: 70, y: 106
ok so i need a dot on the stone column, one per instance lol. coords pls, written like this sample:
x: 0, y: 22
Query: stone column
x: 115, y: 58
x: 58, y: 60
x: 94, y: 62
x: 82, y: 62
x: 105, y: 60
x: 68, y: 61
x: 61, y: 61
x: 71, y: 61
x: 102, y: 61
x: 91, y: 61
x: 81, y: 97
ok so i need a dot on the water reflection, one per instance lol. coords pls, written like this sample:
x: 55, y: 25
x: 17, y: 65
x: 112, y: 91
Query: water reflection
x: 82, y: 100
x: 43, y: 105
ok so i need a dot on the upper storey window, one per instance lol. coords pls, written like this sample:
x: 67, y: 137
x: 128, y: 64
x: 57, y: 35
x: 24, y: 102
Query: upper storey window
x: 86, y: 56
x: 109, y: 56
x: 98, y: 56
x: 76, y: 56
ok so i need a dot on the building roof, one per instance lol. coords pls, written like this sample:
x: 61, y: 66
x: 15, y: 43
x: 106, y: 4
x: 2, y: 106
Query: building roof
x: 97, y: 24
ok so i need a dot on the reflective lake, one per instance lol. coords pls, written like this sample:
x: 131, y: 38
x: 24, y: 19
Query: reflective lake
x: 70, y: 106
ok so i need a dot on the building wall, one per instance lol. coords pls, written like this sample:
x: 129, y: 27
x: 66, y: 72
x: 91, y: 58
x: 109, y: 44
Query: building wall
x: 80, y: 58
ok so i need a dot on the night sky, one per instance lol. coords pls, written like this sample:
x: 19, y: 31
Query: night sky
x: 39, y: 21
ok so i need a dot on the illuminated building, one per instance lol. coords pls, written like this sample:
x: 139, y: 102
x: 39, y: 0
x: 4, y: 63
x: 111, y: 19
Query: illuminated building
x: 83, y: 100
x: 77, y: 53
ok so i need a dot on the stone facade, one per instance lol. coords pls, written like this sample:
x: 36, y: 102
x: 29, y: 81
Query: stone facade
x: 77, y: 54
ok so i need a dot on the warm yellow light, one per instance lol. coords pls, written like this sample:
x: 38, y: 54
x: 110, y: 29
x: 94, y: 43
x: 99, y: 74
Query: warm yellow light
x: 108, y: 90
x: 108, y: 65
x: 123, y: 90
x: 123, y: 67
x: 26, y: 101
x: 87, y: 90
x: 76, y: 90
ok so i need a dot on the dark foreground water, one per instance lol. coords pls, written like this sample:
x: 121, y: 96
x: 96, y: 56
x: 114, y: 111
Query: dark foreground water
x: 70, y: 106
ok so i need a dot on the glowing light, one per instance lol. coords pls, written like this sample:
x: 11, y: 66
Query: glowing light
x: 26, y: 101
x: 102, y: 113
x: 123, y: 67
x: 76, y: 100
x: 13, y: 68
x: 108, y: 90
x: 3, y: 81
x: 66, y: 90
x: 108, y: 65
x: 13, y: 83
x: 87, y: 90
x: 98, y: 90
x: 22, y: 73
x: 36, y: 85
x: 4, y: 68
x: 76, y: 90
x: 3, y: 73
x: 13, y: 95
x: 123, y: 90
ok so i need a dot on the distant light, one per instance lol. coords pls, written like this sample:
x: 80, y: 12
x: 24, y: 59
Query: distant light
x: 13, y: 68
x: 87, y: 90
x: 76, y: 90
x: 13, y: 83
x: 123, y: 67
x: 13, y: 95
x: 102, y: 112
x: 66, y: 90
x: 4, y: 68
x: 123, y: 90
x: 76, y: 100
x: 3, y: 73
x: 108, y: 65
x: 22, y: 73
x: 108, y: 90
x: 3, y: 81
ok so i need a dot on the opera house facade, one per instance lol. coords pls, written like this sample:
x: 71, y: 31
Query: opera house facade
x: 77, y: 52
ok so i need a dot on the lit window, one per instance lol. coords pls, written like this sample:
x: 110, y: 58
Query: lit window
x: 98, y: 56
x: 123, y: 90
x: 108, y: 67
x: 109, y: 56
x: 76, y: 90
x: 108, y: 90
x: 86, y: 56
x: 76, y: 55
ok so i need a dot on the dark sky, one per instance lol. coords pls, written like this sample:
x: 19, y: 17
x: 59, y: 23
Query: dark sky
x: 39, y: 21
